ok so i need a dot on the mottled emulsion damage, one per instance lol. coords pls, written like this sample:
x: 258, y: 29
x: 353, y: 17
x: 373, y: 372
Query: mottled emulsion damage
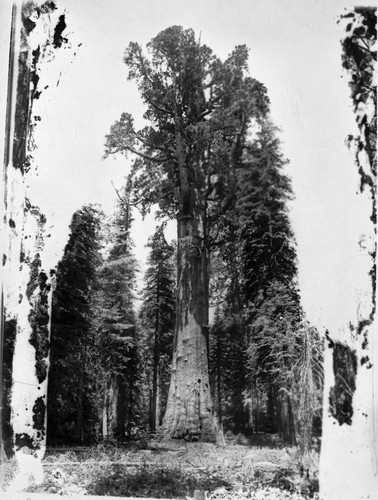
x: 37, y: 33
x: 39, y: 412
x: 39, y: 316
x: 10, y: 328
x: 349, y: 452
x: 341, y: 394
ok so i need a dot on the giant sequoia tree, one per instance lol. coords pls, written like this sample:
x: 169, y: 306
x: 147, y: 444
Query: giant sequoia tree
x: 199, y: 110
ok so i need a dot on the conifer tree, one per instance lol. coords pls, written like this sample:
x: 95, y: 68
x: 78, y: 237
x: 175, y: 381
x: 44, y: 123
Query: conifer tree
x: 114, y: 327
x: 158, y: 317
x: 69, y: 406
x: 271, y: 300
x: 267, y: 239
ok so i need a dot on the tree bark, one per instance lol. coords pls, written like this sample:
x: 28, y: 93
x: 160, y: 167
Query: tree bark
x: 112, y: 406
x: 219, y: 385
x: 156, y: 356
x: 189, y: 411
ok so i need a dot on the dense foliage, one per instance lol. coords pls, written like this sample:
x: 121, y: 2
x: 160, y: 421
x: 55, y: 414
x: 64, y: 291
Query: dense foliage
x: 157, y: 316
x: 69, y: 394
x: 115, y: 353
x: 258, y: 317
x: 93, y: 377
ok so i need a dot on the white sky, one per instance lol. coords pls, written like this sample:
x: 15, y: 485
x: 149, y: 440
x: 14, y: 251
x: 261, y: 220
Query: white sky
x: 295, y: 52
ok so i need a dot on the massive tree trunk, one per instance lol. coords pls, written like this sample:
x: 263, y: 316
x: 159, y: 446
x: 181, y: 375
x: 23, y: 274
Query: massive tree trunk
x: 189, y: 411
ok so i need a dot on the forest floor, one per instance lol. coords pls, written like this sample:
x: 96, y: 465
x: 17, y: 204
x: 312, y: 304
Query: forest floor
x: 255, y: 468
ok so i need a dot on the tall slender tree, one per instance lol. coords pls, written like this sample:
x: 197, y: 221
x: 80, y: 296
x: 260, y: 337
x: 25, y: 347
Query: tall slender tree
x: 69, y: 404
x: 267, y: 238
x: 269, y: 269
x: 158, y: 316
x: 114, y: 325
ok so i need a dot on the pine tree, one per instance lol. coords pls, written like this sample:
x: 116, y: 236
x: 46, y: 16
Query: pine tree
x: 68, y: 398
x: 266, y: 235
x: 158, y: 317
x: 114, y: 328
x: 269, y: 284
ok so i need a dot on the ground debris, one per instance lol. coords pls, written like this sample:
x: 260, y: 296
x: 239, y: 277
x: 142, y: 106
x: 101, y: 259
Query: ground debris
x: 199, y: 471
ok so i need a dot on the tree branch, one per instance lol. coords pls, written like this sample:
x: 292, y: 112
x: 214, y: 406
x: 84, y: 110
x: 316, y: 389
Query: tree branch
x: 159, y: 148
x: 147, y: 157
x: 155, y: 106
x: 124, y: 200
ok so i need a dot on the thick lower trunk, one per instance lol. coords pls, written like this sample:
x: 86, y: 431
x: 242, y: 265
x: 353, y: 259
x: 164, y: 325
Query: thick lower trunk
x: 189, y: 412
